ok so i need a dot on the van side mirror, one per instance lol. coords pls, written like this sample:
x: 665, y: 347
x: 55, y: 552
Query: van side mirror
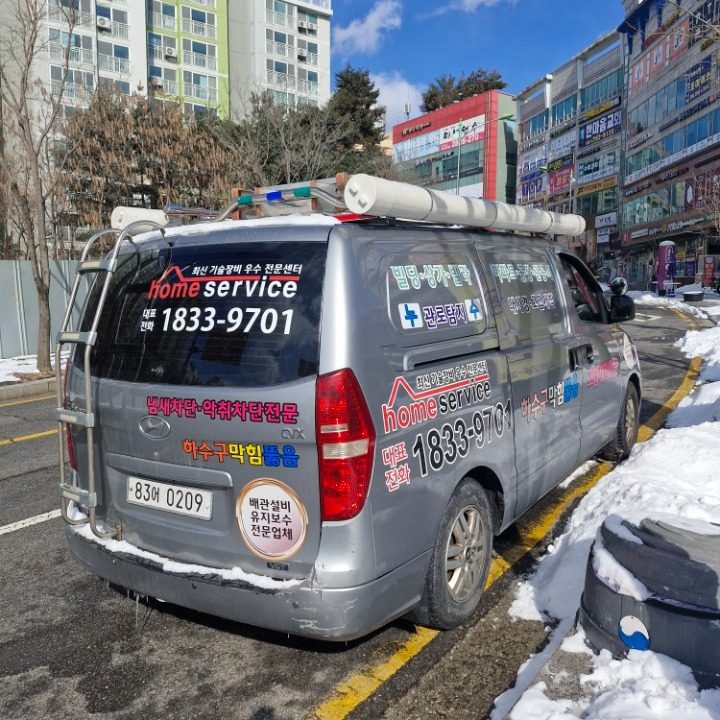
x: 622, y: 308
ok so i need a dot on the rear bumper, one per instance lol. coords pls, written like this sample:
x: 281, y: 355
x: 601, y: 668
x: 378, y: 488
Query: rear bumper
x: 304, y: 610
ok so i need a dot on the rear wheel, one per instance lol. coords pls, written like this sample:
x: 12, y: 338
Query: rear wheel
x: 460, y: 560
x: 627, y: 427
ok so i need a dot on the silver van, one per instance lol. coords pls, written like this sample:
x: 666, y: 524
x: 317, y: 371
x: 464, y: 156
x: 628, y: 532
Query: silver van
x: 317, y: 423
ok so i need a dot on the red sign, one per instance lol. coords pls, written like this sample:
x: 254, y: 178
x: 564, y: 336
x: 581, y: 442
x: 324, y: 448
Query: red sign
x: 708, y: 271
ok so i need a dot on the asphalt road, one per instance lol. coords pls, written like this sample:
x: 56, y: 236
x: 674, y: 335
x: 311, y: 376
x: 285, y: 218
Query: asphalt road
x: 72, y: 648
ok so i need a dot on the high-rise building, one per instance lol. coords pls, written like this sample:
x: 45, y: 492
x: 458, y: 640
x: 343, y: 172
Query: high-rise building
x: 187, y: 53
x: 281, y: 47
x: 206, y: 55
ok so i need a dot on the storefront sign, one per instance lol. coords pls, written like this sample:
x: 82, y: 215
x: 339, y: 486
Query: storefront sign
x: 697, y: 79
x: 602, y: 127
x: 607, y: 220
x: 415, y: 128
x: 560, y: 163
x: 597, y: 186
x: 603, y: 107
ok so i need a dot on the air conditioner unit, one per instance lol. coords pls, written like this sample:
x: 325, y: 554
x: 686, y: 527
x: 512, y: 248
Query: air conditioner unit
x: 156, y: 82
x: 103, y: 23
x: 170, y: 52
x: 302, y: 24
x: 302, y: 55
x: 312, y: 27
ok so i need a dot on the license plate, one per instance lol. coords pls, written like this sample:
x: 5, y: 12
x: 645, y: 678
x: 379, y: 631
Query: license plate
x: 171, y: 498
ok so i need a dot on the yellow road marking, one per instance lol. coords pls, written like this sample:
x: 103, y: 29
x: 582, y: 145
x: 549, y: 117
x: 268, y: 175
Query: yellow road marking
x: 39, y: 398
x: 31, y: 436
x: 358, y: 687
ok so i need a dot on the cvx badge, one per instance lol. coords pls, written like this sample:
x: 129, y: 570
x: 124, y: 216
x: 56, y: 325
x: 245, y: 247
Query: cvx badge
x: 153, y: 427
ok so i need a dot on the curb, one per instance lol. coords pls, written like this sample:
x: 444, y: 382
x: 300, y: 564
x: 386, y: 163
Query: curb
x: 27, y: 389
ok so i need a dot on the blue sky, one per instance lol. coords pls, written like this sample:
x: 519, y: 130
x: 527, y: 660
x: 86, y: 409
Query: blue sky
x: 405, y: 44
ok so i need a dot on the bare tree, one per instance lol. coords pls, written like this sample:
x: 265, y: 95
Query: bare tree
x: 32, y: 162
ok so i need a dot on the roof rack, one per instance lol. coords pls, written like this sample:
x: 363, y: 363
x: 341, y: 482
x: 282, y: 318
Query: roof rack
x: 369, y: 196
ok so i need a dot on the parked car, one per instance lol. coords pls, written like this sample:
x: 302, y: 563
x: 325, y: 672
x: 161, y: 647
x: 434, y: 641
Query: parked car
x: 318, y: 424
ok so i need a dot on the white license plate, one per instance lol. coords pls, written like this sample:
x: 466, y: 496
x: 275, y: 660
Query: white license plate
x: 171, y: 498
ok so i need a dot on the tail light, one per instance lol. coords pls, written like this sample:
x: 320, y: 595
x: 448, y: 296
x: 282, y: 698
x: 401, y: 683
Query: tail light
x: 346, y: 442
x: 68, y: 431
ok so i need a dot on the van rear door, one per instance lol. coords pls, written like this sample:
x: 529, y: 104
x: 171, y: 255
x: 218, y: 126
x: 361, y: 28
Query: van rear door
x: 204, y: 376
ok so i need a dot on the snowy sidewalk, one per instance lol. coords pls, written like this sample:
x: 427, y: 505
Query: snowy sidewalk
x: 676, y: 471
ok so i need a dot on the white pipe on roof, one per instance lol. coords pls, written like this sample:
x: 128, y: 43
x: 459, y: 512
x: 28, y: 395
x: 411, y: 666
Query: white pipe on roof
x: 368, y: 195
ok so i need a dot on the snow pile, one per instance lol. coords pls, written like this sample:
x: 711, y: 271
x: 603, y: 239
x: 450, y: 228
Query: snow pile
x: 648, y: 299
x: 674, y: 472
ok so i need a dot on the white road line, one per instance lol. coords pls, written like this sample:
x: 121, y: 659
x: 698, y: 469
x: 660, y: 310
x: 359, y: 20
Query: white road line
x: 20, y: 524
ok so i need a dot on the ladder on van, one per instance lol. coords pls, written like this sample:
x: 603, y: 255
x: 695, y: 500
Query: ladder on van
x: 84, y: 417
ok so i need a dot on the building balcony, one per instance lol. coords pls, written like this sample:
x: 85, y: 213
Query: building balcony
x: 199, y: 60
x: 199, y: 91
x: 206, y: 3
x: 280, y: 80
x: 281, y: 19
x: 108, y: 63
x: 166, y: 22
x: 70, y: 91
x: 198, y: 28
x: 307, y: 58
x: 77, y: 56
x: 65, y: 15
x: 307, y: 87
x: 117, y: 30
x: 277, y: 48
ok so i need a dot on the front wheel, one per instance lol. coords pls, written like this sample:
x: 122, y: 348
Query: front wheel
x: 460, y: 561
x: 627, y: 427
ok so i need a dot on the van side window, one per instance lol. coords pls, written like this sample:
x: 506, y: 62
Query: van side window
x: 527, y: 289
x: 582, y: 290
x: 435, y: 295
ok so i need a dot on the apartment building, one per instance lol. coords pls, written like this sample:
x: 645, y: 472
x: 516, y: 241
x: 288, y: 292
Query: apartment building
x: 281, y: 47
x: 206, y: 55
x: 187, y: 51
x: 570, y: 144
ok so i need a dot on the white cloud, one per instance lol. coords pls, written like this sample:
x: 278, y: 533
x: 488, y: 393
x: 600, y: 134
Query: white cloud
x: 469, y: 6
x: 365, y: 36
x: 395, y: 93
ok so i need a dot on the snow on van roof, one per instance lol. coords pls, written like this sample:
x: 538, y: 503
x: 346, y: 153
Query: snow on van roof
x: 201, y: 228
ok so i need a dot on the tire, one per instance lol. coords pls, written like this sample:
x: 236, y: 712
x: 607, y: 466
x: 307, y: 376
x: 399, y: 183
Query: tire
x: 627, y: 427
x: 460, y: 560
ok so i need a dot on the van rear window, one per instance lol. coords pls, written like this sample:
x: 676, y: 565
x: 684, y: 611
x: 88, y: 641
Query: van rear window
x: 243, y: 315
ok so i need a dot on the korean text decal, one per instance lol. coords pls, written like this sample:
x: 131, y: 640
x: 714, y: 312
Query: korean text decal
x: 225, y: 282
x: 245, y: 411
x: 415, y: 315
x: 522, y: 272
x: 245, y: 453
x: 272, y: 519
x: 554, y: 395
x: 604, y: 371
x: 470, y: 385
x: 432, y: 276
x: 438, y: 447
x: 398, y: 474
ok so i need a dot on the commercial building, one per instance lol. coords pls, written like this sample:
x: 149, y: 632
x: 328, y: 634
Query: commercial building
x: 468, y: 147
x: 570, y: 144
x: 671, y: 194
x: 281, y: 47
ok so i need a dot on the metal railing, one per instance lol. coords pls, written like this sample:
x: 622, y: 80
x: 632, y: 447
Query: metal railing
x: 77, y: 56
x: 70, y: 91
x: 199, y: 60
x: 275, y: 18
x: 278, y: 48
x: 200, y: 91
x: 113, y: 64
x: 281, y: 80
x: 159, y: 20
x: 199, y: 28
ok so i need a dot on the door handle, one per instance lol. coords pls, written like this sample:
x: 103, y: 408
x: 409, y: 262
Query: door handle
x: 579, y: 354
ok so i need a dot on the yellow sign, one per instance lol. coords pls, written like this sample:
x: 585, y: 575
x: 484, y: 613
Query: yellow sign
x: 597, y: 186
